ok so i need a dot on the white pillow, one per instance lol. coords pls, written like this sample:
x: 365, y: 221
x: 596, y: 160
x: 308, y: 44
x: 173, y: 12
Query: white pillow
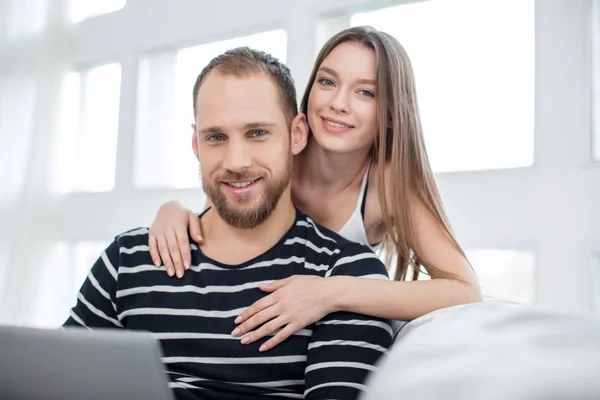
x: 491, y: 350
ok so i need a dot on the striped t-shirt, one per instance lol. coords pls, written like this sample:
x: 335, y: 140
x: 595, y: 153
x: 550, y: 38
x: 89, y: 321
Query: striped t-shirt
x: 193, y: 317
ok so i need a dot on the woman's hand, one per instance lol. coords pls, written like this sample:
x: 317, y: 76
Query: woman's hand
x: 168, y: 237
x: 294, y: 303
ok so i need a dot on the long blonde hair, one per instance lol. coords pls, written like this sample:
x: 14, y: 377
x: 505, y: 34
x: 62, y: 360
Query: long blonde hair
x: 399, y: 145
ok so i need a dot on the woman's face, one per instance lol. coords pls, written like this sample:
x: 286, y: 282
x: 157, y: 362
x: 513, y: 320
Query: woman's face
x: 342, y: 106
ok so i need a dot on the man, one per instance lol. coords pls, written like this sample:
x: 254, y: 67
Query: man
x: 245, y: 135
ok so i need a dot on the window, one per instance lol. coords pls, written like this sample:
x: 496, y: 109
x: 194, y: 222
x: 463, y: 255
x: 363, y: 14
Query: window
x: 505, y: 274
x: 87, y: 146
x: 60, y: 280
x: 327, y: 27
x: 596, y: 80
x: 163, y: 152
x: 474, y: 67
x: 17, y: 102
x: 83, y: 9
x: 4, y: 274
x: 84, y: 255
x: 26, y: 17
x: 595, y: 264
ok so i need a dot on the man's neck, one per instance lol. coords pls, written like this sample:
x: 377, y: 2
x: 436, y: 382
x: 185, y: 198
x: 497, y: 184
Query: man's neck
x: 230, y: 245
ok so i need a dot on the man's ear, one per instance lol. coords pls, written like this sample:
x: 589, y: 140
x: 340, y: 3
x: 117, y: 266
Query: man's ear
x: 299, y: 134
x: 195, y: 142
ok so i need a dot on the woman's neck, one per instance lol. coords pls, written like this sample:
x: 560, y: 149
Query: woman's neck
x: 329, y: 171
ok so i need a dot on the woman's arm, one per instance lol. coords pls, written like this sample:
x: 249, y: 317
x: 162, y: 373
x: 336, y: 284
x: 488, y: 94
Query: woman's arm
x: 298, y: 301
x: 399, y: 300
x: 411, y: 299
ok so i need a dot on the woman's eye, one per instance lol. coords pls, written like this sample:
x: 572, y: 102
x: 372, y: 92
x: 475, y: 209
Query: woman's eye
x: 325, y: 81
x: 367, y: 93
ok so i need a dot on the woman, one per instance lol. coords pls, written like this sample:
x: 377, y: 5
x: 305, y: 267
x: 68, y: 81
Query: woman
x: 365, y: 174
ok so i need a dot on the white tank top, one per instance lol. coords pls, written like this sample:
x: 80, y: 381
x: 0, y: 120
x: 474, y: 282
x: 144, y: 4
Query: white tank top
x: 354, y: 229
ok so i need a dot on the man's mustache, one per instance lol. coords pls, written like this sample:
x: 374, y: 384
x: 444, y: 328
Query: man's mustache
x: 239, y: 176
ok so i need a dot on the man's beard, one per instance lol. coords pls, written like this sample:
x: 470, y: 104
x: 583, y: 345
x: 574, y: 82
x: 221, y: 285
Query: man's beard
x: 238, y: 215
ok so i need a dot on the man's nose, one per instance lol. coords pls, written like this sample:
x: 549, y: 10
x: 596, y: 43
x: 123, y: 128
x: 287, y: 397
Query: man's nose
x: 238, y: 156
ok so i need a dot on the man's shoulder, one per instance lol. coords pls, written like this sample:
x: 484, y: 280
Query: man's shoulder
x: 325, y: 237
x: 133, y: 237
x: 338, y: 255
x: 131, y: 244
x: 130, y: 249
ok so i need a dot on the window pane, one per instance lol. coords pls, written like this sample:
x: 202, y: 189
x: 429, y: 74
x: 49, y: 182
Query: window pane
x: 17, y: 102
x: 85, y: 255
x: 65, y: 271
x: 596, y: 80
x: 505, y: 274
x: 53, y: 296
x: 25, y: 17
x: 474, y: 67
x: 596, y: 284
x: 87, y: 148
x: 163, y: 151
x: 4, y: 273
x: 83, y: 9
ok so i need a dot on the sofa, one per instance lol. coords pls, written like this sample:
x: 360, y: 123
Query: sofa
x: 491, y: 350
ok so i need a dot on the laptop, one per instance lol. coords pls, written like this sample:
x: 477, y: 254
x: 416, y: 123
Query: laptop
x: 76, y: 363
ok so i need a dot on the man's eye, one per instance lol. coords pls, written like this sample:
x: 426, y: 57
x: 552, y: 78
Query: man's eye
x: 258, y: 133
x: 215, y: 138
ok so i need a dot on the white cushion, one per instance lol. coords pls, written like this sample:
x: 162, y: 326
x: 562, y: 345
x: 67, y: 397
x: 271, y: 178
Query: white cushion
x: 491, y: 350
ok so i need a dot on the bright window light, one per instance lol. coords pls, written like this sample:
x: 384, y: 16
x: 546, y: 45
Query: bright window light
x: 595, y: 262
x: 163, y: 151
x: 505, y: 274
x: 27, y: 17
x: 502, y: 273
x: 474, y: 67
x: 87, y: 146
x: 596, y: 80
x: 84, y: 9
x: 65, y: 271
x: 17, y: 102
x: 4, y: 274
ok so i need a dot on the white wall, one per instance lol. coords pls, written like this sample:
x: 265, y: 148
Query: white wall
x: 551, y: 208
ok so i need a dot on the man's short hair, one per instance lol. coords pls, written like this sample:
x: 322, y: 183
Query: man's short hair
x: 243, y: 61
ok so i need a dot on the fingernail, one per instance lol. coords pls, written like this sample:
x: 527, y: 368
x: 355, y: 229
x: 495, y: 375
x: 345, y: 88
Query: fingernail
x: 199, y: 238
x: 235, y: 332
x: 179, y: 273
x: 170, y: 271
x: 186, y: 264
x: 238, y: 320
x: 245, y: 340
x: 262, y: 348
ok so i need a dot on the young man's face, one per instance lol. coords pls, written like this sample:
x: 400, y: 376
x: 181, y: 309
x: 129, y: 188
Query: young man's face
x: 243, y: 143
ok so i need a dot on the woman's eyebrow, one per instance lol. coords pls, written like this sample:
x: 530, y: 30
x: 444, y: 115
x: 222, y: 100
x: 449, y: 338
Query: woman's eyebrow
x: 335, y: 74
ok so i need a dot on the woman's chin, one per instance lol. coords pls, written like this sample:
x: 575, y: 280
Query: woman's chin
x: 339, y: 144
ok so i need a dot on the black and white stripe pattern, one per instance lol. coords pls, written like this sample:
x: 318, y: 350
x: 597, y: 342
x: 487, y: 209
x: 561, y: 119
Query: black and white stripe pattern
x: 193, y: 317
